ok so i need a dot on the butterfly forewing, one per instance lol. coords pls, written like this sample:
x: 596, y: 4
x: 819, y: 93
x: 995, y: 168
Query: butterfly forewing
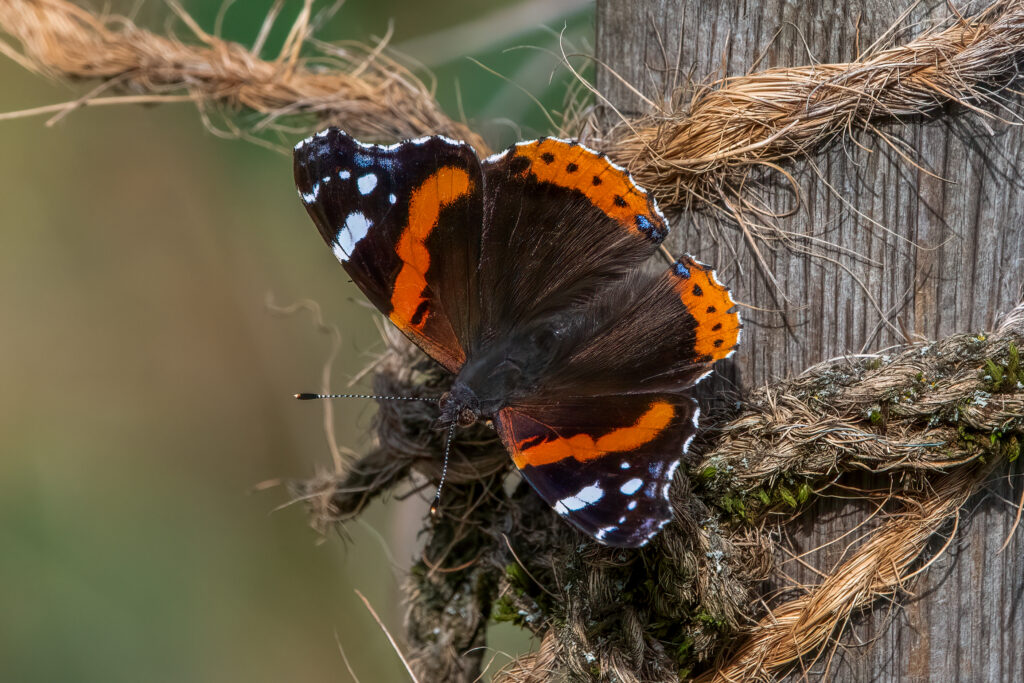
x: 404, y: 221
x: 561, y: 222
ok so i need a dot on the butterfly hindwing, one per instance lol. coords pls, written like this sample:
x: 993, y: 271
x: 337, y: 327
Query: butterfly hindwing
x: 651, y: 333
x: 404, y: 221
x: 603, y: 463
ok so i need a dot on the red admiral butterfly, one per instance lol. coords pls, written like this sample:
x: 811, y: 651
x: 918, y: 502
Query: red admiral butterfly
x: 521, y: 274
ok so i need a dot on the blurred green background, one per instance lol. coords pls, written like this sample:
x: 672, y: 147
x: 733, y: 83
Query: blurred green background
x: 146, y: 389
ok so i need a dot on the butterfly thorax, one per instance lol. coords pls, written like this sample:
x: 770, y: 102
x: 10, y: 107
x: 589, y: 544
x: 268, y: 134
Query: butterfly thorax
x: 480, y: 390
x: 495, y: 377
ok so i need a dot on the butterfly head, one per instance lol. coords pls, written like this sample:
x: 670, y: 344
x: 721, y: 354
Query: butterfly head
x: 460, y: 406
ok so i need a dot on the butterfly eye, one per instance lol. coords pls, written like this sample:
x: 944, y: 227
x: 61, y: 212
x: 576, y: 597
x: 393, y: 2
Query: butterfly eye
x: 467, y: 417
x: 445, y: 399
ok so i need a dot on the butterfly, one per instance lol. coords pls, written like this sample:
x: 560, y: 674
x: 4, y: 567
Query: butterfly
x: 524, y: 275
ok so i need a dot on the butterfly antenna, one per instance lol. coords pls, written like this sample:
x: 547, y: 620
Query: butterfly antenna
x: 310, y: 397
x: 444, y: 470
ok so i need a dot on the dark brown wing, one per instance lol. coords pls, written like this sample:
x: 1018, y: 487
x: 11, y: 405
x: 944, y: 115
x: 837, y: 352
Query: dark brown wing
x: 561, y: 222
x: 603, y: 431
x: 651, y: 333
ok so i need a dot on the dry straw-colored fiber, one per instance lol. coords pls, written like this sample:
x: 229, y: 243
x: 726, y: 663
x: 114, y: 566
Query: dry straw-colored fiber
x: 795, y: 631
x: 697, y: 155
x: 934, y: 397
x: 374, y: 96
x: 703, y: 152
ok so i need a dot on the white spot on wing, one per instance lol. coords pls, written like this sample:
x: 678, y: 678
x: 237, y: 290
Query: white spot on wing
x: 591, y: 494
x: 672, y: 467
x: 668, y: 476
x: 588, y: 495
x: 701, y: 378
x: 355, y: 228
x: 624, y: 465
x: 392, y: 198
x: 358, y: 225
x: 495, y: 157
x: 310, y: 197
x: 571, y: 503
x: 344, y: 245
x: 344, y: 174
x: 366, y: 183
x: 632, y: 505
x: 428, y: 138
x: 339, y: 252
x: 631, y: 486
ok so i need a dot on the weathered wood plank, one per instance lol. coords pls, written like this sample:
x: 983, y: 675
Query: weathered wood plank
x: 949, y: 257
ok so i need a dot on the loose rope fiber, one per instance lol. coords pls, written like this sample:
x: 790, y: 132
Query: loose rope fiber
x: 690, y: 157
x: 693, y: 156
x: 373, y: 95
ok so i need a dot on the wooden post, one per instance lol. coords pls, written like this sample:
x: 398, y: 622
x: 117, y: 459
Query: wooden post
x: 946, y: 255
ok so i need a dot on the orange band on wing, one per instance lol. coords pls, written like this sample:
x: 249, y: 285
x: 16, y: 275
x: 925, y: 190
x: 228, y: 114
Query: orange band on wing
x: 710, y: 304
x: 608, y: 188
x: 584, y: 447
x: 409, y: 307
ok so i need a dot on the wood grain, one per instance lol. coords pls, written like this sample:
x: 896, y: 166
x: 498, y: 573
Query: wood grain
x: 913, y: 253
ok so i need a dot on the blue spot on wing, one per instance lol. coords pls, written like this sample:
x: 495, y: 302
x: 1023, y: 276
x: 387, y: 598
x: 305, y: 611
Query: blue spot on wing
x: 644, y: 225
